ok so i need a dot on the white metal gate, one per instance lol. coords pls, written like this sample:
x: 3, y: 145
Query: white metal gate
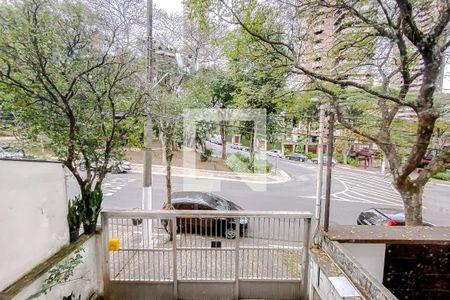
x: 212, y: 254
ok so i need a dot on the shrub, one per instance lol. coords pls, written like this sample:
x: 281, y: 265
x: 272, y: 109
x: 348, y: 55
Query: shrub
x: 339, y: 158
x: 352, y: 162
x: 287, y: 152
x: 206, y: 154
x: 442, y: 176
x: 299, y: 150
x: 311, y: 155
x: 240, y: 163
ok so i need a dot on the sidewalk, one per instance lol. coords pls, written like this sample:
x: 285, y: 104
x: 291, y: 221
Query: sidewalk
x: 275, y: 177
x: 377, y: 171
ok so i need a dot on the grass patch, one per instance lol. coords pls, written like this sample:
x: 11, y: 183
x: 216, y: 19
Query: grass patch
x: 240, y: 163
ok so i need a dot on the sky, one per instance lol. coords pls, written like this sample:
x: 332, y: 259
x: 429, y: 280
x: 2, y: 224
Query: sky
x: 170, y: 6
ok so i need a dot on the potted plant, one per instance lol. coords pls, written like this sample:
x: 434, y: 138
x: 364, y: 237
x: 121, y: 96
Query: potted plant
x: 74, y: 218
x: 92, y: 205
x: 136, y: 222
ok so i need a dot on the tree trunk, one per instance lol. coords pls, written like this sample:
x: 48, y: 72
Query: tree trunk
x: 169, y: 184
x: 223, y: 135
x: 252, y: 148
x: 412, y: 195
x: 169, y: 155
x: 164, y: 152
x: 307, y: 137
x: 345, y: 153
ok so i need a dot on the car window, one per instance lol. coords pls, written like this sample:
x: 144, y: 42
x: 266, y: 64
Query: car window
x: 375, y: 218
x: 184, y: 206
x: 220, y: 203
x: 204, y: 207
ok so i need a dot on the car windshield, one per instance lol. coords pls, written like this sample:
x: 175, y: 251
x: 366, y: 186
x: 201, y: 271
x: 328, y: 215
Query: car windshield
x: 219, y: 203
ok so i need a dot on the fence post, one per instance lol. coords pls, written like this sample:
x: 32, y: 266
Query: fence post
x: 174, y: 256
x: 105, y: 253
x: 305, y: 260
x: 236, y: 258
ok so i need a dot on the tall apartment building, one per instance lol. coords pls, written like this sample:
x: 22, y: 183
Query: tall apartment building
x: 331, y: 31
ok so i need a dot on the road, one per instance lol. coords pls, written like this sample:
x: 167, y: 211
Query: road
x: 353, y: 190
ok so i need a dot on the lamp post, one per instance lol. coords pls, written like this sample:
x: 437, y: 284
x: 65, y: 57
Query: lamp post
x: 148, y: 129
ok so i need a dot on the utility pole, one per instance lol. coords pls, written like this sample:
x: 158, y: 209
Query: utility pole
x: 326, y: 221
x: 148, y: 130
x: 319, y: 177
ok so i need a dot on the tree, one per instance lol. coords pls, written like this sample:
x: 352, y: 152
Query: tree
x: 222, y: 89
x: 258, y: 75
x: 66, y: 79
x: 376, y: 55
x: 344, y: 144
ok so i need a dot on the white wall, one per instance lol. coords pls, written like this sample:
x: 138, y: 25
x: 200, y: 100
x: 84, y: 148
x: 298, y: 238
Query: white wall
x: 33, y: 210
x: 85, y: 281
x: 370, y: 256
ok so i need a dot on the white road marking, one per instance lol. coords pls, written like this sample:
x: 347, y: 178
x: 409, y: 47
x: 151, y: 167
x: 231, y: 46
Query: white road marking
x: 115, y: 184
x: 364, y: 188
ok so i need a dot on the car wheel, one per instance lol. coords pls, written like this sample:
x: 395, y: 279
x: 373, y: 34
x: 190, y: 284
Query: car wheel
x: 230, y: 233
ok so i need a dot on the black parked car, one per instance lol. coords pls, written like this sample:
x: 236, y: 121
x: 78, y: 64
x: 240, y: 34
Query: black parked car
x: 209, y: 226
x: 384, y: 216
x: 297, y: 156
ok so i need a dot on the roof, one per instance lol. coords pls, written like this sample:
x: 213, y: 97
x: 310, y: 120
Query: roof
x: 192, y: 196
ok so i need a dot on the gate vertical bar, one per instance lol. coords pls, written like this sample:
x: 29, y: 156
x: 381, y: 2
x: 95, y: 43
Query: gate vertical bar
x: 236, y: 258
x: 174, y: 256
x: 305, y: 260
x: 105, y: 234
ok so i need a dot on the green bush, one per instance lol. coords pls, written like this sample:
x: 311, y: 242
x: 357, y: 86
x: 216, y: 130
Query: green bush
x: 206, y: 154
x: 442, y: 176
x: 310, y: 155
x: 339, y: 158
x: 287, y: 152
x: 352, y: 162
x: 240, y: 163
x: 299, y: 149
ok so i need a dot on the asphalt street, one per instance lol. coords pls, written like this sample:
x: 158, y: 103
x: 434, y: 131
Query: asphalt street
x: 353, y: 190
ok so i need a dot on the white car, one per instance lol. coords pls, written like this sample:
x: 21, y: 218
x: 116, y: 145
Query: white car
x: 116, y: 167
x: 215, y: 139
x: 275, y: 153
x: 10, y: 155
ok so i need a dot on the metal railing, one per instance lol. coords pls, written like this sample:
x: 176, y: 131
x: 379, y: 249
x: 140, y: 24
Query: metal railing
x: 213, y: 246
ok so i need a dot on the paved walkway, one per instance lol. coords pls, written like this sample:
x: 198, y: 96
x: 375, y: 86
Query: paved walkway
x: 260, y: 256
x: 275, y: 177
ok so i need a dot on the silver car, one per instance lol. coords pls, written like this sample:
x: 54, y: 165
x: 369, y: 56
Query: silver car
x: 275, y: 153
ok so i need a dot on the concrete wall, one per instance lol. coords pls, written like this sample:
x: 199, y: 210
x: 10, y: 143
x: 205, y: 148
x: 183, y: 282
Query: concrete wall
x: 85, y: 282
x: 370, y: 256
x: 33, y: 210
